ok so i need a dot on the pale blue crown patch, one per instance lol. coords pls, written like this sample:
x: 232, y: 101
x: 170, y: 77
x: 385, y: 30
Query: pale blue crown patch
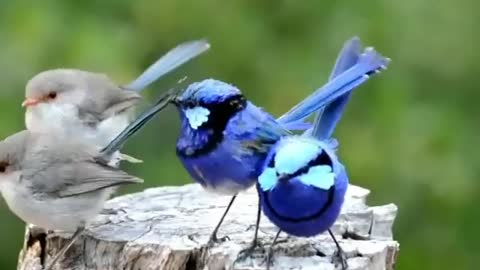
x: 268, y: 179
x: 294, y: 155
x: 320, y: 176
x: 197, y: 116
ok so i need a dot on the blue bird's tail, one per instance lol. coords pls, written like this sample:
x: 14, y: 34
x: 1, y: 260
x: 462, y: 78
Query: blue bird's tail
x: 327, y: 119
x: 168, y: 62
x: 137, y: 124
x: 369, y: 62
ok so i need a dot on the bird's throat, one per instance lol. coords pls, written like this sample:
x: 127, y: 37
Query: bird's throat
x: 197, y: 142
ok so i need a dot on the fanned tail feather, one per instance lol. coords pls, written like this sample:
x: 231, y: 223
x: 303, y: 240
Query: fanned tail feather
x: 370, y: 62
x: 169, y: 62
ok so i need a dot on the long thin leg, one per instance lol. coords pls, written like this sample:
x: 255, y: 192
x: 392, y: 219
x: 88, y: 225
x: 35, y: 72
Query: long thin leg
x: 249, y: 250
x: 270, y: 250
x: 213, y: 237
x: 64, y: 249
x: 341, y: 254
x: 257, y: 224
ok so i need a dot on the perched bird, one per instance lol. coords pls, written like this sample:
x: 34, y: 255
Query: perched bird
x: 303, y: 183
x: 62, y: 184
x: 225, y: 138
x: 90, y: 105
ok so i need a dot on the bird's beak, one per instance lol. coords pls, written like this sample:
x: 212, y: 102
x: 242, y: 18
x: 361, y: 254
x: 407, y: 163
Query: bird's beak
x: 30, y: 102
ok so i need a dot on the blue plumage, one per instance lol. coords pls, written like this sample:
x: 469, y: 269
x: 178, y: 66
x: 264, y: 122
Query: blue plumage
x: 304, y: 202
x: 303, y: 184
x: 224, y: 138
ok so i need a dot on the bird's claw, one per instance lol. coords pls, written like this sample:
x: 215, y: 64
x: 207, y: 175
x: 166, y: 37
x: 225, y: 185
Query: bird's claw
x: 215, y: 240
x: 252, y: 226
x: 247, y: 252
x: 340, y: 257
x: 269, y: 258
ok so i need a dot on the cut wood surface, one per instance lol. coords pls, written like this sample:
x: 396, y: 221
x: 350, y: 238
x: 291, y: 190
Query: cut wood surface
x: 168, y: 228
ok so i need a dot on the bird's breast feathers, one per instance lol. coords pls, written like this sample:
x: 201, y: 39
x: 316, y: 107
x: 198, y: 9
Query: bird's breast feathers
x: 51, y: 117
x: 64, y: 119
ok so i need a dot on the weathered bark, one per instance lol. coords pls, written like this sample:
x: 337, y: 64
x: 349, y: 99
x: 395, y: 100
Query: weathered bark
x: 168, y: 228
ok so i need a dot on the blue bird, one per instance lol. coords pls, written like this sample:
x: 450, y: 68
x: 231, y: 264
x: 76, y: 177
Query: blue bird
x: 303, y: 183
x: 224, y: 138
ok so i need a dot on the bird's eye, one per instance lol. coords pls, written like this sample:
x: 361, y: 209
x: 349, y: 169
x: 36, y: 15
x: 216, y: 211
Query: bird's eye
x: 52, y: 95
x: 3, y: 166
x: 190, y: 104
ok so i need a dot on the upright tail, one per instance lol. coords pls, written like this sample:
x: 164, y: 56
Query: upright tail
x: 327, y: 119
x: 168, y: 62
x: 136, y: 125
x: 369, y: 62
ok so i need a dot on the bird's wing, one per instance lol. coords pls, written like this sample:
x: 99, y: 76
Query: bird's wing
x: 120, y: 101
x: 69, y: 168
x: 91, y: 177
x: 256, y: 129
x: 103, y: 99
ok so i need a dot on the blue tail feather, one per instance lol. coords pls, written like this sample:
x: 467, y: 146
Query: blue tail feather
x: 369, y: 63
x: 347, y: 57
x: 136, y: 125
x: 326, y: 120
x: 169, y: 62
x: 297, y: 125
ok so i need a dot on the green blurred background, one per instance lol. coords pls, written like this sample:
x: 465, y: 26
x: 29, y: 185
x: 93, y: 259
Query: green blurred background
x: 410, y: 135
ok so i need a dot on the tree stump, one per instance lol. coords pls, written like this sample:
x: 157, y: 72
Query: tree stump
x: 168, y: 228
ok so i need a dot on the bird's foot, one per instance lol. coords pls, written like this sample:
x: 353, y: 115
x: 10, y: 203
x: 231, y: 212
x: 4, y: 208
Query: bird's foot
x: 340, y: 258
x: 215, y: 240
x: 269, y: 258
x: 247, y: 252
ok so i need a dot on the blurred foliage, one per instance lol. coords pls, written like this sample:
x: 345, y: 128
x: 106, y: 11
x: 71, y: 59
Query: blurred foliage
x: 408, y: 134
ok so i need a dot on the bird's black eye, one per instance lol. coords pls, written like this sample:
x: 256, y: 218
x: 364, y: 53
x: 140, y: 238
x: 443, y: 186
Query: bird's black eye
x: 3, y: 166
x: 52, y: 95
x: 189, y: 104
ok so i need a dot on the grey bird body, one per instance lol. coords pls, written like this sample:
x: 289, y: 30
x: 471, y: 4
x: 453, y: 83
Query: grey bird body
x: 82, y: 104
x: 91, y: 106
x: 54, y: 183
x: 61, y: 183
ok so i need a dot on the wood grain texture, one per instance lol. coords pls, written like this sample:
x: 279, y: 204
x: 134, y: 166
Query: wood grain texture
x: 168, y: 228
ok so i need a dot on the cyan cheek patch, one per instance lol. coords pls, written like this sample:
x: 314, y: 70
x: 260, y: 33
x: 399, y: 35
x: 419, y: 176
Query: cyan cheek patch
x: 319, y: 176
x: 268, y: 179
x: 197, y: 116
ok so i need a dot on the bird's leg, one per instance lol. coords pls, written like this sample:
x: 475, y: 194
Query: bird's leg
x: 340, y: 253
x: 213, y: 237
x: 249, y: 250
x: 64, y: 249
x: 270, y: 250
